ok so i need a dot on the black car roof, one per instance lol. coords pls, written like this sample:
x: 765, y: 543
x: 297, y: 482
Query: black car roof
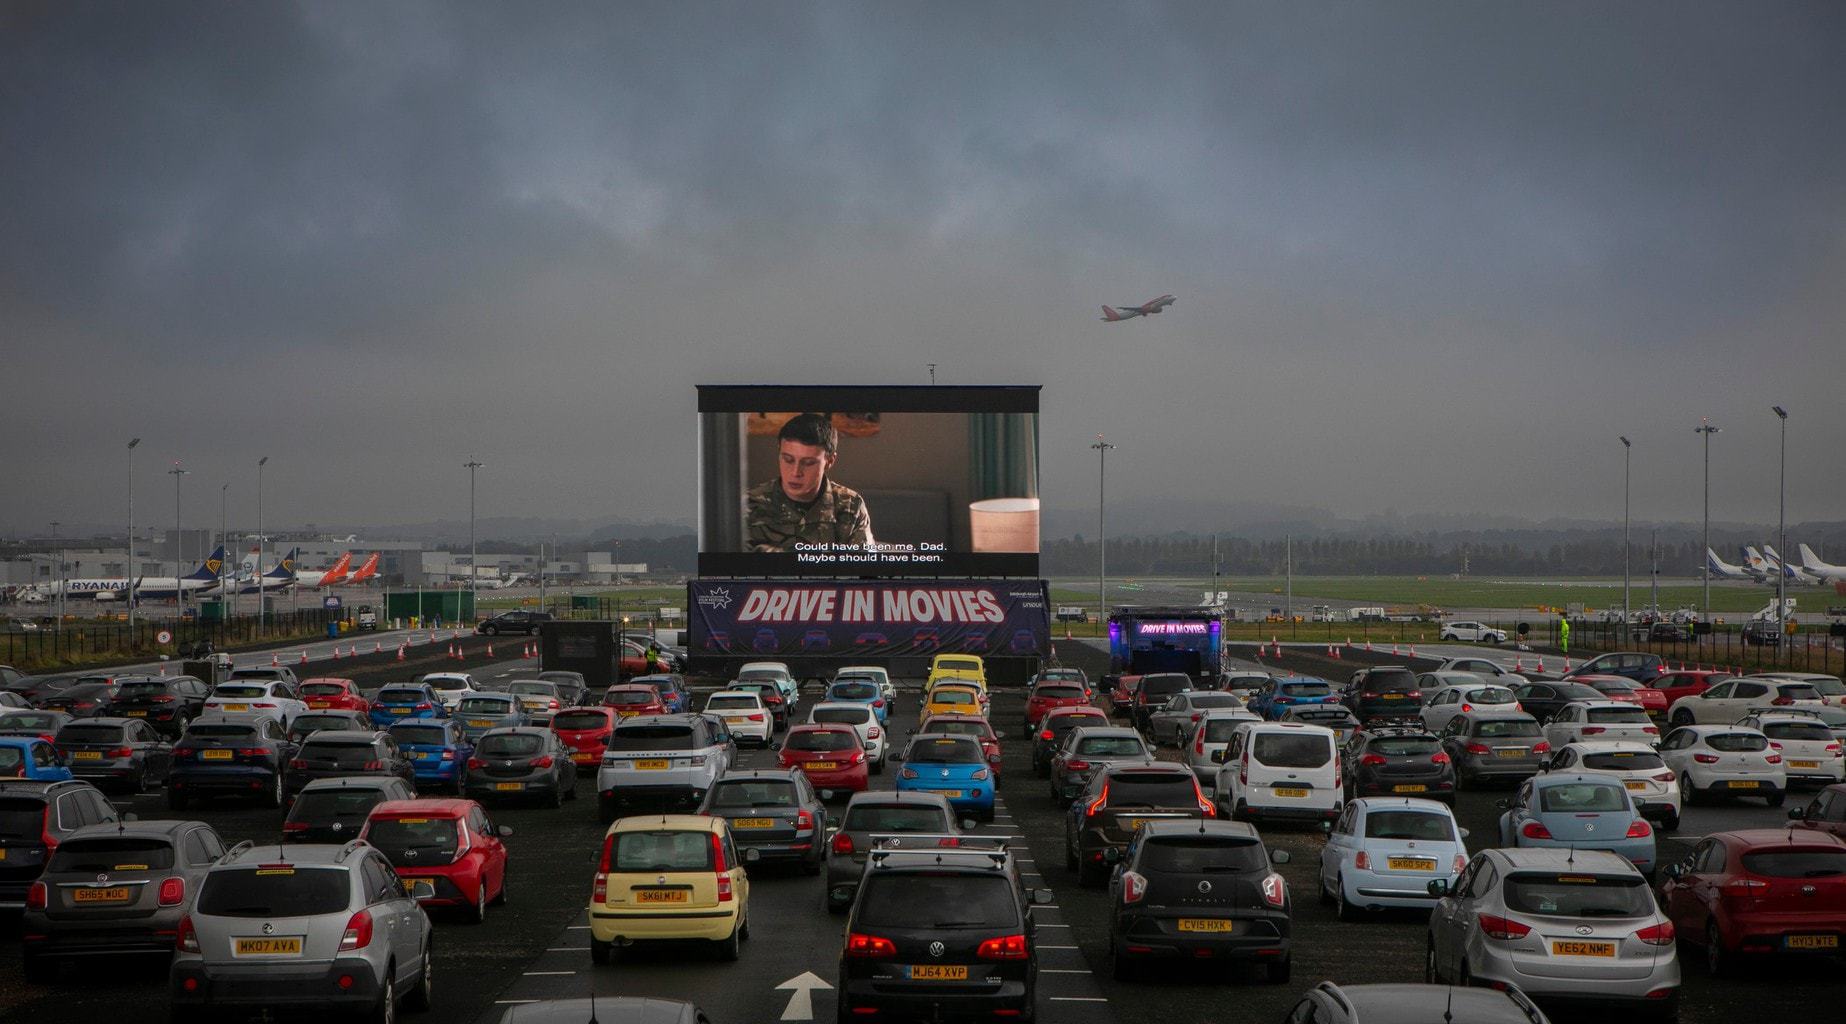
x: 1205, y: 826
x: 892, y: 796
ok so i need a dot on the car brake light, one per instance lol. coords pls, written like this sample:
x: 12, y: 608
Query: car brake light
x: 37, y: 896
x: 475, y: 764
x: 1479, y: 748
x: 1006, y: 947
x: 869, y: 946
x: 1639, y: 829
x: 756, y: 716
x: 1666, y: 776
x: 1774, y: 758
x: 425, y: 706
x: 879, y: 703
x: 1541, y: 747
x: 172, y: 892
x: 1461, y: 864
x: 1593, y: 730
x: 842, y: 843
x: 1275, y: 891
x: 358, y: 934
x: 600, y: 891
x: 1467, y: 707
x: 542, y: 762
x: 1372, y: 759
x: 1503, y: 928
x: 804, y: 820
x: 1206, y: 807
x: 1535, y: 830
x: 1362, y: 861
x: 1045, y: 734
x: 120, y: 752
x: 1075, y: 765
x: 187, y: 941
x: 1439, y: 758
x: 721, y: 868
x: 873, y: 733
x: 1651, y: 730
x: 297, y: 764
x: 1658, y: 935
x: 1096, y: 805
x: 1705, y: 758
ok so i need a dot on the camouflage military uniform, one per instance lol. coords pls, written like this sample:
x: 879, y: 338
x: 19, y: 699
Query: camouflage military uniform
x: 836, y: 516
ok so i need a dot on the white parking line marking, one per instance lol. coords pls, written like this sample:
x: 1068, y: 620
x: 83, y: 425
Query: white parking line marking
x: 1060, y: 947
x: 513, y: 1002
x: 549, y: 974
x: 578, y: 928
x: 565, y: 949
x: 1077, y: 999
x: 1042, y: 924
x: 1078, y: 970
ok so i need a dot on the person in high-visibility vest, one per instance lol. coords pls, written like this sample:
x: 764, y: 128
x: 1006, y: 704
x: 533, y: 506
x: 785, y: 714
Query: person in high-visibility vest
x: 1563, y: 634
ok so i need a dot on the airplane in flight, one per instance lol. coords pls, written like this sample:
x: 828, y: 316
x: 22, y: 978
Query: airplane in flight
x: 1724, y: 570
x: 1112, y: 314
x: 337, y: 574
x: 1826, y: 571
x: 366, y: 571
x: 1794, y: 574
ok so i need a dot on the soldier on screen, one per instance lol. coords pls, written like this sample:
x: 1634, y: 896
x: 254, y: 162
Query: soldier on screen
x: 803, y: 504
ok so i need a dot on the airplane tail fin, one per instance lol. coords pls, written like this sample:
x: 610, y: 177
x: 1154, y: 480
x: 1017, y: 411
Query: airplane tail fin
x: 209, y: 569
x: 1809, y: 558
x: 285, y: 569
x: 1111, y: 315
x: 366, y: 571
x: 338, y: 572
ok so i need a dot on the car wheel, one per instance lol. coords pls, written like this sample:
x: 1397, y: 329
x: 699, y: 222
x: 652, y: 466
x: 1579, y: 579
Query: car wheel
x: 570, y: 791
x: 1448, y: 636
x: 385, y: 1010
x: 423, y: 996
x: 1344, y: 910
x: 176, y: 800
x: 1325, y: 894
x: 1670, y: 823
x: 490, y: 630
x: 1680, y: 717
x: 1120, y: 967
x: 728, y: 948
x: 743, y: 930
x: 557, y: 794
x: 274, y: 797
x: 478, y: 913
x: 1717, y: 961
x: 1776, y: 800
x: 601, y: 952
x: 1431, y: 976
x: 1688, y: 793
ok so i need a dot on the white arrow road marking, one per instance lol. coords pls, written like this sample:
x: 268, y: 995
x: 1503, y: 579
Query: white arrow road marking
x: 801, y: 1003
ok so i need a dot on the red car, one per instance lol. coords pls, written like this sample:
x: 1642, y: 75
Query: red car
x: 1762, y: 892
x: 631, y: 700
x: 970, y: 725
x: 1685, y: 683
x: 1122, y: 695
x: 586, y: 732
x: 1825, y: 813
x: 330, y: 694
x: 450, y: 843
x: 1057, y: 694
x: 1626, y: 690
x: 830, y: 756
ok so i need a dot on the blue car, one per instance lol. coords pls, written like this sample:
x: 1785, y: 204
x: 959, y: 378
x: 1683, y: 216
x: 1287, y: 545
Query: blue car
x: 952, y: 766
x: 29, y: 757
x: 860, y: 691
x: 1581, y: 811
x: 401, y: 702
x: 673, y: 693
x: 1291, y: 692
x: 438, y: 752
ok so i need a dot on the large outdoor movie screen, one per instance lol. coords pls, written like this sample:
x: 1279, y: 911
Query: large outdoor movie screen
x: 868, y: 481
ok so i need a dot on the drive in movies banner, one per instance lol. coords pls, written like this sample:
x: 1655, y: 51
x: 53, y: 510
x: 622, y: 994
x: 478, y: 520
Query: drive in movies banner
x: 870, y: 617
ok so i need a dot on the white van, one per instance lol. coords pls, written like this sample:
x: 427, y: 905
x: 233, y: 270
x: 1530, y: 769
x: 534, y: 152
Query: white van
x: 1280, y: 770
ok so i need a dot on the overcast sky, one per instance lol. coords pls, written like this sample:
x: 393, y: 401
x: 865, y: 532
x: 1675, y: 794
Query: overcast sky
x: 1428, y: 257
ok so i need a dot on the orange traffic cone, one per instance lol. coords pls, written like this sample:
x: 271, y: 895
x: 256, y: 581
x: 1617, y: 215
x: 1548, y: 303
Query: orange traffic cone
x: 1336, y: 654
x: 1368, y: 647
x: 1413, y: 650
x: 531, y: 650
x: 1518, y: 666
x: 1394, y: 652
x: 400, y: 654
x: 490, y: 650
x: 336, y: 652
x: 1567, y: 666
x: 378, y: 646
x: 273, y: 663
x: 304, y: 657
x: 163, y: 670
x: 1541, y: 665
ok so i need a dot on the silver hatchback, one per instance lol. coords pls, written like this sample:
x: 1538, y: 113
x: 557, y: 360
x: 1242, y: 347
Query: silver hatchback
x: 308, y: 926
x: 1563, y: 926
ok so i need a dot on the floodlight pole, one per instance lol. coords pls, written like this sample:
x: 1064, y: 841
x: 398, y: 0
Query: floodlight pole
x: 131, y: 541
x: 1781, y: 518
x: 1627, y: 449
x: 1706, y: 429
x: 262, y: 595
x: 179, y: 549
x: 474, y: 573
x: 1102, y: 536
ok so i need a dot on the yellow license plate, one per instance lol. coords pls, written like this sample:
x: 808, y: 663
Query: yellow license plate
x: 216, y: 755
x: 1813, y: 942
x: 1743, y: 784
x: 582, y: 758
x: 1410, y: 864
x: 1561, y: 947
x: 822, y: 765
x: 938, y: 972
x: 1804, y: 764
x: 1510, y: 752
x: 118, y: 894
x: 1635, y: 786
x: 1205, y: 924
x: 737, y: 719
x: 319, y: 705
x: 1393, y: 696
x: 135, y: 714
x: 2, y: 853
x: 481, y: 723
x: 753, y: 823
x: 87, y: 755
x: 267, y: 945
x: 1134, y: 824
x: 400, y: 711
x: 654, y: 765
x: 236, y: 707
x: 1291, y: 792
x: 1409, y: 789
x: 950, y: 793
x: 509, y: 787
x: 626, y: 714
x: 662, y: 896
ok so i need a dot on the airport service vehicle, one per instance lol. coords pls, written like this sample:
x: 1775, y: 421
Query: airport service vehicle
x: 939, y: 930
x: 1605, y: 721
x: 114, y: 753
x: 1119, y: 800
x: 1730, y: 700
x: 1473, y: 632
x: 1444, y: 700
x: 954, y: 766
x: 329, y: 694
x: 236, y: 756
x: 1581, y: 811
x: 539, y: 699
x: 1153, y: 639
x: 1640, y: 667
x: 1385, y: 693
x: 950, y: 698
x: 1199, y: 891
x: 481, y: 713
x: 113, y: 890
x: 779, y: 814
x: 1054, y: 726
x: 1825, y: 813
x: 1570, y: 926
x: 830, y: 756
x: 1155, y: 691
x: 1288, y: 691
x: 451, y: 687
x: 258, y: 698
x: 1327, y: 1003
x: 1542, y: 698
x: 521, y: 761
x: 1487, y: 669
x: 1811, y: 754
x: 1384, y: 852
x: 1086, y: 749
x: 29, y: 757
x: 863, y: 720
x: 659, y: 759
x: 1406, y: 762
x: 675, y: 876
x: 1203, y: 751
x: 438, y: 751
x: 1280, y: 770
x: 308, y: 724
x: 523, y: 622
x: 334, y: 755
x: 1776, y: 893
x: 880, y: 813
x: 1637, y: 766
x: 1046, y: 695
x: 1714, y: 761
x: 299, y: 927
x: 1494, y: 745
x: 402, y: 702
x: 35, y: 818
x: 334, y: 810
x: 166, y: 703
x: 453, y: 845
x: 744, y: 713
x: 862, y: 690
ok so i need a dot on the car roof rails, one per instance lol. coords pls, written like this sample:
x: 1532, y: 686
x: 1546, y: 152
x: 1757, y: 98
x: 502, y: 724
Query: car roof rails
x: 1797, y: 712
x: 941, y: 848
x: 236, y: 851
x: 352, y: 846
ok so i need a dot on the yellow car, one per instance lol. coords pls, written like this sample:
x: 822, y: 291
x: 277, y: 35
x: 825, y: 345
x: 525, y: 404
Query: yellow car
x: 967, y: 667
x: 667, y: 877
x: 952, y: 698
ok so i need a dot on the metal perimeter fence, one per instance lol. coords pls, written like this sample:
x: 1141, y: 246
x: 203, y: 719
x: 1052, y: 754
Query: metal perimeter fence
x: 76, y: 642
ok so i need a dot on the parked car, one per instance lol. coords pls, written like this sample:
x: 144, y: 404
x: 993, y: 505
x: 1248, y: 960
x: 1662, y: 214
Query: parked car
x: 1811, y: 754
x: 1825, y: 813
x: 1048, y: 694
x: 875, y: 813
x: 115, y: 753
x: 586, y: 732
x: 1156, y: 689
x: 1641, y: 667
x: 975, y: 727
x: 438, y: 750
x: 1486, y: 669
x: 1054, y: 726
x: 779, y: 814
x: 772, y: 699
x: 518, y: 621
x: 1604, y: 721
x: 328, y: 693
x: 30, y: 757
x: 83, y: 700
x: 1328, y: 1003
x: 863, y: 720
x: 954, y: 766
x: 1473, y: 632
x: 1494, y: 745
x: 450, y: 688
x: 329, y: 721
x: 540, y: 699
x: 1280, y: 770
x: 744, y: 713
x: 1637, y: 766
x: 661, y: 759
x: 521, y: 761
x: 1686, y: 682
x: 1719, y: 761
x: 1203, y: 752
x: 1407, y: 762
x: 1086, y: 749
x: 166, y: 703
x: 672, y: 877
x: 272, y: 699
x: 1578, y: 811
x: 334, y: 755
x: 36, y: 817
x: 1730, y: 700
x: 1193, y: 891
x: 1383, y: 853
x: 829, y: 755
x: 1119, y: 800
x: 1543, y: 698
x: 229, y: 756
x: 400, y: 702
x: 453, y: 845
x: 1831, y: 690
x: 481, y: 713
x: 1774, y: 893
x: 1627, y: 691
x: 1172, y: 722
x: 1444, y: 698
x: 334, y: 810
x: 1287, y: 691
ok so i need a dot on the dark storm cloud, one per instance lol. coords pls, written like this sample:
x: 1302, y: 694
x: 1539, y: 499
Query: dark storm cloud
x: 386, y: 236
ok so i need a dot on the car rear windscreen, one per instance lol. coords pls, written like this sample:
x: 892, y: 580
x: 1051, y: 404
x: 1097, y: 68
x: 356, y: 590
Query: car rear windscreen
x: 662, y: 851
x: 1203, y: 854
x: 153, y: 689
x: 895, y: 818
x: 328, y: 804
x: 1165, y: 685
x: 1215, y: 701
x: 1630, y: 715
x: 638, y: 738
x: 1407, y: 824
x: 322, y: 689
x: 241, y: 691
x: 1505, y: 728
x: 1737, y: 742
x: 1292, y: 750
x: 1798, y: 691
x: 274, y: 891
x: 485, y: 706
x: 220, y: 731
x: 1490, y: 695
x: 95, y: 734
x: 739, y: 702
x: 853, y: 691
x: 1059, y: 692
x: 1110, y: 746
x: 1305, y: 689
x: 945, y: 750
x: 1773, y: 730
x: 1219, y: 730
x: 952, y: 696
x: 1404, y: 746
x: 573, y: 720
x: 323, y: 747
x: 113, y: 853
x: 1622, y: 760
x: 533, y: 688
x: 509, y: 744
x: 22, y: 819
x: 840, y: 716
x: 928, y: 900
x: 1796, y: 863
x: 426, y: 735
x: 1571, y: 895
x: 1582, y: 798
x: 743, y: 793
x: 389, y: 695
x: 625, y: 698
x: 1153, y: 789
x: 433, y: 840
x: 822, y: 740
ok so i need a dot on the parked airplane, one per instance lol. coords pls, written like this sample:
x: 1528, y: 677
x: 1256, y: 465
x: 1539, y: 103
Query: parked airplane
x: 200, y: 581
x: 1812, y: 563
x: 1112, y: 314
x: 366, y: 571
x: 337, y: 574
x: 1756, y: 564
x: 1726, y: 571
x: 281, y: 576
x: 1793, y: 573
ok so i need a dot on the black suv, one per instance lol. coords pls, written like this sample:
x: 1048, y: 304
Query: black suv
x: 513, y: 622
x: 1187, y: 891
x: 1398, y: 762
x: 1388, y: 691
x: 334, y: 754
x: 167, y: 702
x: 1154, y: 692
x: 1119, y: 800
x: 35, y: 817
x: 941, y: 927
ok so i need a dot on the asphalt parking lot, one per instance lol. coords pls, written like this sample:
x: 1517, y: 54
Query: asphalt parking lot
x: 536, y: 947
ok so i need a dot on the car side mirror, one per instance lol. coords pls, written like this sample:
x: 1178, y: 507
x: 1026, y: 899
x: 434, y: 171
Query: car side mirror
x: 503, y: 831
x: 1464, y: 832
x: 752, y: 855
x: 999, y: 735
x: 1217, y: 756
x: 969, y: 824
x: 1042, y: 897
x: 1327, y: 827
x: 1505, y: 805
x: 1798, y: 813
x: 1673, y: 870
x: 1279, y: 857
x: 1438, y: 887
x: 1111, y: 855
